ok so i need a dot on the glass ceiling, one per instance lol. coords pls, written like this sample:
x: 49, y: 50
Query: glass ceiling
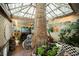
x: 28, y: 9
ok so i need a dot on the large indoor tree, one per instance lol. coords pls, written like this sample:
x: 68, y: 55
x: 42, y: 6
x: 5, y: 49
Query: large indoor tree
x: 40, y: 34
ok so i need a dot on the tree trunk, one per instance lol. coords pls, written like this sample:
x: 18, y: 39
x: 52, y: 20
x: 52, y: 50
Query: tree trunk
x: 40, y: 35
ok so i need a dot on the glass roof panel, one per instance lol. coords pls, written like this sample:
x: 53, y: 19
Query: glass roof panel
x: 16, y: 14
x: 65, y: 9
x: 24, y: 9
x: 53, y: 14
x: 18, y: 5
x: 11, y: 6
x: 48, y: 9
x: 61, y: 14
x: 19, y: 14
x: 52, y: 6
x: 15, y: 10
x: 56, y: 4
x: 57, y: 11
x: 31, y: 10
x: 60, y: 4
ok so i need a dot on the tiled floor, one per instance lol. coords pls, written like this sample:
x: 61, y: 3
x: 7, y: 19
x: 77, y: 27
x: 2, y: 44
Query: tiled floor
x: 19, y: 51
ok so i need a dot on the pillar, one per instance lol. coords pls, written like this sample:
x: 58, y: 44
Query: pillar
x: 40, y: 34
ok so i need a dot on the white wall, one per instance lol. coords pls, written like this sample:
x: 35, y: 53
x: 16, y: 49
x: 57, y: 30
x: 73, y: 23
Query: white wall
x: 5, y: 33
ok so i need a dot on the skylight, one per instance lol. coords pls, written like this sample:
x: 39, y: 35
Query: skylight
x: 28, y: 9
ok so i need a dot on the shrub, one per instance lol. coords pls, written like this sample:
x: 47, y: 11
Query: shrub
x: 40, y: 51
x: 70, y: 33
x: 50, y: 50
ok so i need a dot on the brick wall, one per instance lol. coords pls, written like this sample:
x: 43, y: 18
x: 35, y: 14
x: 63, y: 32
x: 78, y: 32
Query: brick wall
x: 72, y: 17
